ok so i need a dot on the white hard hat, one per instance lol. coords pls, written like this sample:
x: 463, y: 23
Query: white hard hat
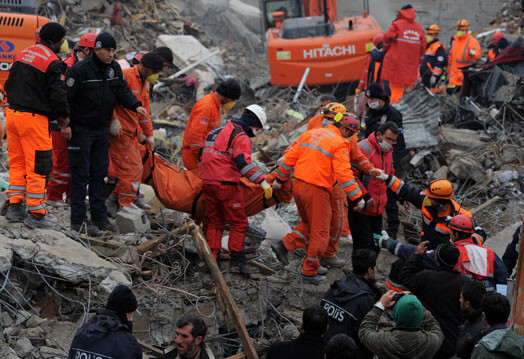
x: 259, y: 112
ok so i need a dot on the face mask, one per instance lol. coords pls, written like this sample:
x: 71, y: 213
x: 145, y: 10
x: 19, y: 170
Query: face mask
x: 429, y: 38
x: 326, y: 122
x: 228, y: 106
x: 384, y: 146
x: 64, y: 48
x: 427, y: 202
x: 255, y: 130
x: 374, y: 105
x: 460, y: 33
x: 152, y: 79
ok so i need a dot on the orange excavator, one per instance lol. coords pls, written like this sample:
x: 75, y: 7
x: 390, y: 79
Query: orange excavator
x: 18, y: 24
x: 305, y: 42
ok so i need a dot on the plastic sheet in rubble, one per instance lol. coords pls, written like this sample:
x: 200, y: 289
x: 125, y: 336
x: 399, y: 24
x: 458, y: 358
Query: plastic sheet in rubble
x: 421, y: 113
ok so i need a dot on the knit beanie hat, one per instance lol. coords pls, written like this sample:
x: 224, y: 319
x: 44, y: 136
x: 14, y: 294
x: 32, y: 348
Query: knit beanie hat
x: 405, y: 7
x: 375, y: 90
x: 105, y: 41
x: 447, y: 255
x: 230, y: 88
x: 408, y: 312
x: 502, y: 43
x: 153, y: 60
x: 52, y: 32
x: 122, y: 300
x: 392, y: 281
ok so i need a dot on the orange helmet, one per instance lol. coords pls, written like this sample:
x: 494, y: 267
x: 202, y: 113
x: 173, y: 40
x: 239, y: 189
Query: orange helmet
x: 88, y: 40
x: 462, y: 24
x: 377, y: 39
x: 37, y: 34
x: 334, y: 111
x: 433, y: 29
x: 462, y: 223
x: 350, y: 121
x: 497, y: 36
x: 440, y: 189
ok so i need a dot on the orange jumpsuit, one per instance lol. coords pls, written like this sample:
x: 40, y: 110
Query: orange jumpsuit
x: 459, y: 57
x: 204, y: 117
x: 123, y: 149
x: 320, y: 158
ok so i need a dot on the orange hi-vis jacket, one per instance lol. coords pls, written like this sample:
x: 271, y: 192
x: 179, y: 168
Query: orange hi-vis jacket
x: 315, y: 122
x: 204, y: 117
x: 131, y: 121
x: 321, y: 157
x: 459, y: 57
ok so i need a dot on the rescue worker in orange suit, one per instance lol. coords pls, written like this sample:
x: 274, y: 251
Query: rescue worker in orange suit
x: 436, y: 205
x: 36, y: 91
x: 435, y: 60
x: 498, y: 44
x: 339, y: 205
x: 373, y: 66
x: 378, y: 147
x: 226, y: 157
x: 320, y: 158
x: 125, y: 125
x: 463, y: 52
x: 94, y: 86
x: 316, y: 121
x: 405, y: 45
x: 60, y: 178
x: 204, y: 117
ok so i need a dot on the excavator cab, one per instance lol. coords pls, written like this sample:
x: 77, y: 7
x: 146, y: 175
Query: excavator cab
x: 290, y: 9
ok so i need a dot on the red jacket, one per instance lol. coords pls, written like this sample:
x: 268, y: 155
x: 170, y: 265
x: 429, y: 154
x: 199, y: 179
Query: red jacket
x: 405, y: 43
x: 227, y: 156
x: 369, y: 184
x: 71, y: 59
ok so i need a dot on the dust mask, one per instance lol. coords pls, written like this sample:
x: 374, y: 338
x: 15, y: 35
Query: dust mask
x: 228, y: 106
x: 460, y: 33
x: 64, y: 48
x: 384, y: 146
x: 374, y: 105
x: 152, y: 79
x: 429, y: 38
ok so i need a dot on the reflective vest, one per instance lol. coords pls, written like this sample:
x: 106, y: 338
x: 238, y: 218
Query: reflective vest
x: 475, y: 260
x: 459, y: 57
x: 435, y: 59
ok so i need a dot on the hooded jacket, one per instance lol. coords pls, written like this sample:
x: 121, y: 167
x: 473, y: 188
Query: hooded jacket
x: 347, y: 301
x: 106, y: 336
x: 401, y: 343
x: 470, y: 333
x: 499, y: 342
x: 405, y: 45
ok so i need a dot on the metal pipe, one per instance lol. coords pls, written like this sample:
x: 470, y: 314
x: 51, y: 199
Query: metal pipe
x: 186, y: 69
x: 301, y: 85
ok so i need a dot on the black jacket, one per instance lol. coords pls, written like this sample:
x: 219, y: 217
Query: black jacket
x: 306, y: 346
x: 374, y: 118
x: 469, y: 335
x: 347, y: 302
x: 511, y: 255
x: 106, y: 335
x: 93, y: 88
x: 30, y: 89
x: 439, y: 291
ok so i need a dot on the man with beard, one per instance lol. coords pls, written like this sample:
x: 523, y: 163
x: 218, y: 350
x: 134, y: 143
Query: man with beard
x: 190, y: 334
x: 109, y: 333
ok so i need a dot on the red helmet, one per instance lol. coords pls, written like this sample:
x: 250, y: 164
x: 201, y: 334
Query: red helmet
x: 37, y: 34
x: 377, y: 39
x: 497, y: 36
x: 88, y: 40
x: 462, y: 223
x: 138, y: 56
x: 350, y: 121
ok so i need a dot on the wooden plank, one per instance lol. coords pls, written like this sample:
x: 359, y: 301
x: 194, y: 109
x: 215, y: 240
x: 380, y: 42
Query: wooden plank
x: 488, y: 203
x: 206, y: 254
x: 517, y: 310
x: 151, y: 350
x: 101, y: 242
x: 152, y: 243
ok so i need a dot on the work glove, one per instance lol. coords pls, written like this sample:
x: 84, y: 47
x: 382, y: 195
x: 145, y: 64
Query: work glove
x: 379, y: 174
x: 277, y: 185
x: 360, y: 204
x: 358, y: 91
x: 115, y: 128
x: 151, y: 140
x: 433, y: 81
x: 268, y: 191
x: 471, y: 53
x: 370, y: 202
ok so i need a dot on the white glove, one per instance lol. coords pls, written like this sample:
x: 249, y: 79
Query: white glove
x: 379, y: 174
x: 115, y: 128
x: 276, y: 185
x: 151, y: 140
x: 433, y: 81
x: 360, y: 205
x: 471, y: 53
x: 268, y: 191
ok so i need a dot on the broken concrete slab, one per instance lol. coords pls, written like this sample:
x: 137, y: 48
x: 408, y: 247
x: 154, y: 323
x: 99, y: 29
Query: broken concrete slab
x: 48, y: 352
x: 132, y: 219
x: 462, y: 139
x: 8, y: 353
x: 464, y: 167
x: 23, y: 347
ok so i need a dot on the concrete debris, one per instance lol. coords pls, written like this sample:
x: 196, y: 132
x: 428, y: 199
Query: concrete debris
x: 132, y: 219
x: 466, y: 168
x: 23, y: 347
x: 274, y: 225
